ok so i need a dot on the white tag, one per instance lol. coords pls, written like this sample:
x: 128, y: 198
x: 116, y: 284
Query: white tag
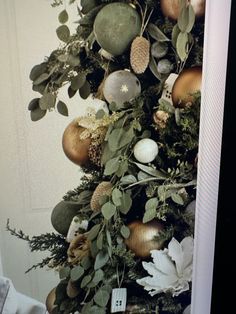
x: 75, y: 225
x: 118, y: 300
x: 168, y: 86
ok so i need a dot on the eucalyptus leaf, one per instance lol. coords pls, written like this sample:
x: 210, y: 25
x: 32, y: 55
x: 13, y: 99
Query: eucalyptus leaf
x: 37, y: 114
x: 116, y: 196
x: 181, y: 45
x: 153, y: 68
x: 151, y: 204
x: 34, y: 104
x: 98, y: 276
x: 96, y: 310
x: 166, y: 106
x: 101, y: 259
x: 177, y: 199
x: 47, y: 101
x: 156, y: 33
x: 71, y: 92
x: 108, y: 210
x: 42, y: 78
x: 62, y: 108
x: 85, y: 90
x: 126, y: 203
x: 143, y: 176
x: 125, y: 232
x: 111, y: 166
x: 88, y: 19
x: 63, y: 17
x: 37, y: 70
x: 175, y: 34
x: 129, y: 179
x: 86, y: 262
x: 149, y: 215
x: 186, y: 19
x: 87, y: 5
x: 108, y: 235
x: 85, y: 281
x: 153, y: 172
x: 100, y: 114
x: 63, y: 57
x: 177, y: 116
x: 78, y: 81
x: 76, y: 273
x: 164, y: 66
x: 102, y: 297
x: 39, y: 88
x: 63, y: 33
x: 94, y: 232
x: 100, y: 241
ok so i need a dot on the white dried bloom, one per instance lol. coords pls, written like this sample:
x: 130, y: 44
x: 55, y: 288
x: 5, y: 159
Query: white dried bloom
x: 171, y: 270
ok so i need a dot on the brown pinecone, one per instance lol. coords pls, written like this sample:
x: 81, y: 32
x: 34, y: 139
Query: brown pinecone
x: 103, y: 188
x: 139, y: 55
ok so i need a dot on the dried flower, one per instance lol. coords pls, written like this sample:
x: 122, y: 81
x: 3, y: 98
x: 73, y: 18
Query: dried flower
x: 171, y: 270
x: 160, y: 118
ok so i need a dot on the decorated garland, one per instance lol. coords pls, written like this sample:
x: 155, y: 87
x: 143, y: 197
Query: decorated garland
x: 124, y: 237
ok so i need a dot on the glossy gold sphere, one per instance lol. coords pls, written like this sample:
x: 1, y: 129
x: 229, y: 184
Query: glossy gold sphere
x: 142, y: 237
x: 188, y: 83
x: 75, y: 148
x: 50, y: 300
x: 170, y: 8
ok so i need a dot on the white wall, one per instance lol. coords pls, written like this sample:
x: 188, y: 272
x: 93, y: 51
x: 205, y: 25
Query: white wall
x: 34, y: 172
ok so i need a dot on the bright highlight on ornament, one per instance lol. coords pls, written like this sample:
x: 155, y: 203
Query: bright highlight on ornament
x: 145, y: 150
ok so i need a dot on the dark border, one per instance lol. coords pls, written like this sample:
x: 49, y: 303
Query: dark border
x: 223, y: 289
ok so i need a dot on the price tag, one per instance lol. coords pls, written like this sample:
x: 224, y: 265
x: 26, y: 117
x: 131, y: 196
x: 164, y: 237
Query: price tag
x: 167, y: 90
x: 118, y: 300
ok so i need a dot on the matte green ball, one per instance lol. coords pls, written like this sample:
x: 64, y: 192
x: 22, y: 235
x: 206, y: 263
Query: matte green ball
x: 62, y: 215
x: 115, y: 27
x: 120, y: 87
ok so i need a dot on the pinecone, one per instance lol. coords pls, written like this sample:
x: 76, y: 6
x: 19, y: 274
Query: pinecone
x: 103, y: 188
x: 139, y: 55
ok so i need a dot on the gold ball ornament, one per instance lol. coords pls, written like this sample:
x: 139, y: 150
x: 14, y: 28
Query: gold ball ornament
x: 170, y: 8
x: 188, y: 83
x: 50, y: 300
x: 142, y: 237
x: 75, y: 148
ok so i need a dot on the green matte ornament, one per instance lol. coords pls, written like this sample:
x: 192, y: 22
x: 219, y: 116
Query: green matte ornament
x: 62, y: 215
x: 120, y: 87
x: 115, y: 27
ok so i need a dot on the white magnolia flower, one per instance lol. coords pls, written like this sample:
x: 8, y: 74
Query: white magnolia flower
x: 171, y: 270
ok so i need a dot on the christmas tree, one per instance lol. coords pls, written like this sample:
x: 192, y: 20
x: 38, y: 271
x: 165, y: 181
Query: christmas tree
x: 124, y: 236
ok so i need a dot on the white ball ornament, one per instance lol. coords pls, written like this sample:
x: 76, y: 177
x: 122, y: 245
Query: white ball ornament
x: 145, y: 150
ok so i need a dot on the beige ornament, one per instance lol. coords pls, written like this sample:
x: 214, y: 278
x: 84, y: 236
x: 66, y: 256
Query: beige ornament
x: 103, y: 188
x: 140, y: 54
x: 171, y: 8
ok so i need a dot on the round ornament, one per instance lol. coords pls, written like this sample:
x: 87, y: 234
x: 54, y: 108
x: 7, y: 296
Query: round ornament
x: 75, y: 148
x: 170, y: 8
x: 142, y: 237
x: 62, y: 216
x: 120, y: 87
x: 50, y: 300
x: 72, y: 290
x: 164, y: 66
x: 115, y: 26
x: 188, y: 82
x: 145, y: 150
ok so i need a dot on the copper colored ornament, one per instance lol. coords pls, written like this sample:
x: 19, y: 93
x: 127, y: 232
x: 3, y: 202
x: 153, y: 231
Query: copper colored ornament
x: 50, y: 300
x: 188, y: 83
x: 144, y: 237
x: 75, y: 148
x: 170, y: 8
